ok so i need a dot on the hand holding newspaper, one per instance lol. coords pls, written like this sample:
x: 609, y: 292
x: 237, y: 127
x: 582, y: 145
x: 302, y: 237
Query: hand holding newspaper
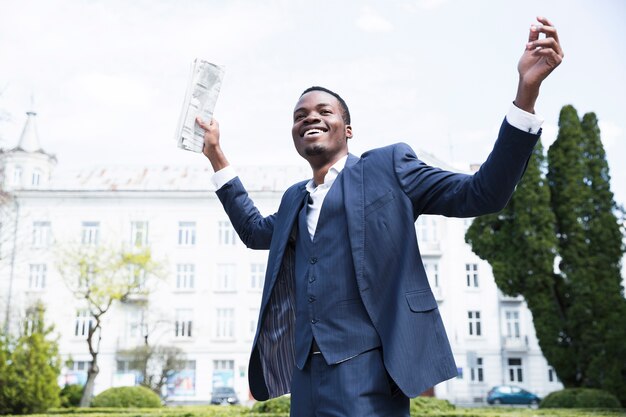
x: 203, y: 88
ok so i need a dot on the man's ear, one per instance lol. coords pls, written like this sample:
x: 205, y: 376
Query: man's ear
x: 348, y: 132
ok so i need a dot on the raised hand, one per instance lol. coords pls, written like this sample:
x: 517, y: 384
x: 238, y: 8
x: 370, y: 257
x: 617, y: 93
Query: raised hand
x: 539, y: 59
x: 211, y: 148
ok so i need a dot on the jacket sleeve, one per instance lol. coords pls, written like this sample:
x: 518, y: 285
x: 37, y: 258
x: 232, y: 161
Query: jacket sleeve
x: 254, y: 229
x: 435, y: 191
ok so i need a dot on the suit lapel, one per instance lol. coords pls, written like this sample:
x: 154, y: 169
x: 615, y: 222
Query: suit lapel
x: 355, y: 214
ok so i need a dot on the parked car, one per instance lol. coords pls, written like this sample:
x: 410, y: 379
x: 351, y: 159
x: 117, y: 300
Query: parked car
x: 510, y: 394
x: 224, y: 395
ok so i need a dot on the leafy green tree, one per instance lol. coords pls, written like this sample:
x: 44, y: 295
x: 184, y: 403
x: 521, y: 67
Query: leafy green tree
x: 564, y: 214
x: 7, y: 376
x: 36, y: 366
x: 99, y: 277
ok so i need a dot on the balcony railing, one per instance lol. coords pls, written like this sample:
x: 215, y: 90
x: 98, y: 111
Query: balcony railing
x: 515, y: 344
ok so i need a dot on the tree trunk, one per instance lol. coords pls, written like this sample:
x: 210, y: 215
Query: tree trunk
x: 92, y: 373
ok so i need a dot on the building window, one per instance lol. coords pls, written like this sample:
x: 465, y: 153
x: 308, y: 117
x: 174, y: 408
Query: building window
x: 225, y: 323
x: 432, y: 272
x: 552, y: 377
x: 226, y: 233
x: 90, y: 233
x: 184, y: 323
x: 515, y: 370
x: 139, y: 234
x: 186, y: 233
x: 36, y: 177
x: 224, y: 365
x: 17, y: 175
x: 137, y: 276
x: 474, y: 323
x: 471, y: 275
x: 257, y: 276
x: 41, y: 234
x: 426, y: 229
x: 254, y: 314
x: 185, y: 276
x: 83, y: 323
x: 182, y: 383
x: 225, y: 280
x: 136, y: 324
x: 476, y: 371
x: 37, y: 276
x: 512, y: 324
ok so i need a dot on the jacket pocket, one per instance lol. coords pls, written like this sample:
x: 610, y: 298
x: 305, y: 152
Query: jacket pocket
x: 379, y: 202
x: 421, y: 301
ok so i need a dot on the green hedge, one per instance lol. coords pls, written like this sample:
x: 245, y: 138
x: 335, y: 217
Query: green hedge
x: 123, y: 397
x: 70, y: 395
x: 580, y: 398
x: 236, y: 411
x: 275, y: 405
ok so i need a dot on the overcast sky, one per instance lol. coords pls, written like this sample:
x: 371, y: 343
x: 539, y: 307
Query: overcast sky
x: 108, y: 77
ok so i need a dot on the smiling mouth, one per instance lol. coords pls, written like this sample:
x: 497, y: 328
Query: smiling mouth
x: 313, y: 132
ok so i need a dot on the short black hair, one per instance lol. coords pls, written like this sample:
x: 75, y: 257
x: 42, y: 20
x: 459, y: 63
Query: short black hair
x: 345, y: 113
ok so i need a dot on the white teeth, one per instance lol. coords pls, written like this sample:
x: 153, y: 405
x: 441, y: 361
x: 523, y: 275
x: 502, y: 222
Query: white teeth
x: 313, y: 132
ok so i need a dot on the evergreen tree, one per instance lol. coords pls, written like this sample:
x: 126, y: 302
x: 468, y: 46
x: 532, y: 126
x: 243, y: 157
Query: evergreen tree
x: 36, y: 365
x: 578, y: 310
x: 520, y: 245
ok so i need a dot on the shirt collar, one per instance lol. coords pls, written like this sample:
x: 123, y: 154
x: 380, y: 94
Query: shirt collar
x: 331, y: 175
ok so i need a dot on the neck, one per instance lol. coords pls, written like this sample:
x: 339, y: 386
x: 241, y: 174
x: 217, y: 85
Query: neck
x: 320, y: 168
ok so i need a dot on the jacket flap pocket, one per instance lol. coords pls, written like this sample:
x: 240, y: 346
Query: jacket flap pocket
x: 421, y: 301
x: 379, y: 202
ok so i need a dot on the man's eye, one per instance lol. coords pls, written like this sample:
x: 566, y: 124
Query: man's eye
x: 298, y: 117
x: 326, y: 112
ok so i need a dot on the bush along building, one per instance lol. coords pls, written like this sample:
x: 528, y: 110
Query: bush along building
x: 185, y: 301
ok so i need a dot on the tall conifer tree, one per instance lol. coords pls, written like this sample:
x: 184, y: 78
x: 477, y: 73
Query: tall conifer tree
x: 579, y: 309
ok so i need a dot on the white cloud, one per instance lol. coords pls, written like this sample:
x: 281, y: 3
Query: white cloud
x: 370, y: 21
x: 414, y: 5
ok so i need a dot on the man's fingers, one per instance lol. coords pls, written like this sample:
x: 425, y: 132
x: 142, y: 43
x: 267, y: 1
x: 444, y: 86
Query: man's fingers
x: 546, y: 43
x: 544, y: 26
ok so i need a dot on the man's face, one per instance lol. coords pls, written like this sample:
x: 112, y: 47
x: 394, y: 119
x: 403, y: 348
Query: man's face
x: 318, y: 128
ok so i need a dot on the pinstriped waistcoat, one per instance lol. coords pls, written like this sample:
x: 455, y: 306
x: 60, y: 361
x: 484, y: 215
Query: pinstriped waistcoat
x: 328, y: 304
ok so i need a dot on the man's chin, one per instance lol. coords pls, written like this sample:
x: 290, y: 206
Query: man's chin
x: 314, y: 150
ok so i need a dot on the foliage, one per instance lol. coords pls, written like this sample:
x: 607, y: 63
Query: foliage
x: 70, y: 395
x: 275, y: 405
x: 580, y: 398
x: 156, y: 363
x: 32, y: 366
x: 234, y: 411
x: 427, y: 405
x: 565, y: 216
x: 7, y: 377
x: 100, y: 276
x: 122, y: 397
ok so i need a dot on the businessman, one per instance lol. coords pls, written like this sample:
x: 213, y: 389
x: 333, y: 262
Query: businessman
x: 348, y: 323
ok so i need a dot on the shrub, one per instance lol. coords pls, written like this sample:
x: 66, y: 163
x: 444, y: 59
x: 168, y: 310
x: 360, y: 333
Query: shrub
x: 70, y: 395
x: 275, y: 405
x: 122, y: 397
x: 580, y: 398
x: 425, y: 405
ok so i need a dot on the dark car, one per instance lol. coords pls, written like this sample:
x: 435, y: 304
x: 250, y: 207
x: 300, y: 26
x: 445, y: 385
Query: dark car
x: 224, y: 395
x: 510, y: 394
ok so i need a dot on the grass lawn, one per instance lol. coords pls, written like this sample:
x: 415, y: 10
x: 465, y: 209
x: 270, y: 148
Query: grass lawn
x: 221, y: 411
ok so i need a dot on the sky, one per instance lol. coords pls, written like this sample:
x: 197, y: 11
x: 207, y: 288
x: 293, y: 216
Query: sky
x: 107, y: 77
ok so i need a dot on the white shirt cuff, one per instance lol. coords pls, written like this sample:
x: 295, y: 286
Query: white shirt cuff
x: 221, y: 177
x: 523, y: 120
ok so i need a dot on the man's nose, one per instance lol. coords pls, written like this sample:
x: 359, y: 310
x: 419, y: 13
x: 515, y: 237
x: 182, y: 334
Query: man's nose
x: 312, y: 117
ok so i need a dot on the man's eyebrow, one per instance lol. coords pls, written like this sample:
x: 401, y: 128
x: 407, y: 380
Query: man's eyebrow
x: 317, y: 106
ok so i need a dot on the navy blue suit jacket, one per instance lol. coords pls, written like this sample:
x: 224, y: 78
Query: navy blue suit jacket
x: 385, y: 191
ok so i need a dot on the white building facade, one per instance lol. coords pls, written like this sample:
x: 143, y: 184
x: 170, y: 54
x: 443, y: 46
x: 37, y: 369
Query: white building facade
x: 207, y: 301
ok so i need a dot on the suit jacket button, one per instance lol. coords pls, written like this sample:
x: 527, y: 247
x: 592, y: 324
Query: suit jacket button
x: 313, y: 321
x: 313, y: 260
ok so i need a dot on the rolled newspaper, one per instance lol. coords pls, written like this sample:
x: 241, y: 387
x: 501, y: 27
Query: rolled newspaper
x: 203, y: 87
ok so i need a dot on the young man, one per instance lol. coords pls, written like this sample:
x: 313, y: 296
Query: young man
x: 348, y: 323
